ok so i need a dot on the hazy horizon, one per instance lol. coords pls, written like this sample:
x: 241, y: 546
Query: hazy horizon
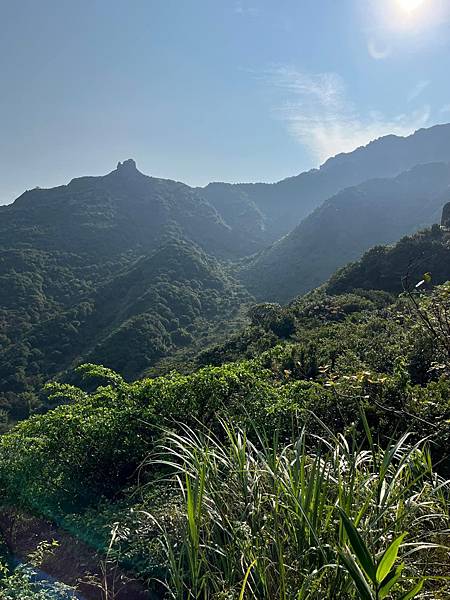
x: 242, y: 91
x: 212, y: 181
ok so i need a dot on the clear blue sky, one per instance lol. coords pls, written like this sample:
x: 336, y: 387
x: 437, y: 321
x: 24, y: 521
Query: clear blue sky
x: 202, y: 90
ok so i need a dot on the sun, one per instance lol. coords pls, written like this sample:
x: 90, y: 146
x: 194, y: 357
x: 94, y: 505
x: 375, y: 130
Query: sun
x: 410, y: 6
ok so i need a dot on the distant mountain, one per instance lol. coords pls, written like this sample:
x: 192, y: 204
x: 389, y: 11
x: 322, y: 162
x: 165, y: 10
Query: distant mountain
x: 269, y: 211
x: 120, y: 269
x: 379, y: 211
x: 120, y: 212
x: 129, y: 210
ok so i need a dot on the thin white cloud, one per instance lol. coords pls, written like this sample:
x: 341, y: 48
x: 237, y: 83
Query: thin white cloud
x: 418, y: 89
x: 319, y: 115
x: 241, y: 8
x: 445, y: 109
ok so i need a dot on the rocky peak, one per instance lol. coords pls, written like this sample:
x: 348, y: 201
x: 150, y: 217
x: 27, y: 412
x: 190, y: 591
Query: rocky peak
x: 127, y: 166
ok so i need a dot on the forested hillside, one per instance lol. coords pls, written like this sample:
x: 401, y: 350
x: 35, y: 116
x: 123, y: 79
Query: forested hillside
x: 378, y: 211
x: 138, y: 273
x: 113, y: 269
x: 225, y: 374
x: 270, y: 211
x: 103, y: 217
x: 312, y: 440
x: 398, y: 267
x: 368, y: 285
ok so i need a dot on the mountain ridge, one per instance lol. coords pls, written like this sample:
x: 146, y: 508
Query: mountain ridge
x: 283, y: 204
x: 126, y: 208
x: 257, y: 214
x: 127, y: 269
x: 378, y: 211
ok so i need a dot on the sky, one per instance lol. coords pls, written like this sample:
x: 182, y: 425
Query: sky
x: 211, y: 90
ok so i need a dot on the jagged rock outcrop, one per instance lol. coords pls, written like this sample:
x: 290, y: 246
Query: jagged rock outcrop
x: 127, y: 166
x: 445, y: 221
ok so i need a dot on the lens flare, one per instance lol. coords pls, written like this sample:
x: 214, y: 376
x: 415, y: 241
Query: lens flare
x: 410, y: 6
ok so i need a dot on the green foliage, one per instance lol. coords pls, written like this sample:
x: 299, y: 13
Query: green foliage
x: 376, y: 579
x: 110, y: 431
x: 25, y: 582
x: 391, y: 268
x: 376, y: 212
x: 260, y: 518
x: 128, y: 321
x: 22, y: 584
x: 289, y: 483
x: 335, y: 360
x: 117, y: 270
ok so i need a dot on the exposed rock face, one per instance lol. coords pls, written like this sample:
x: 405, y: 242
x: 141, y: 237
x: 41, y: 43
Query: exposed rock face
x: 445, y: 221
x: 128, y: 165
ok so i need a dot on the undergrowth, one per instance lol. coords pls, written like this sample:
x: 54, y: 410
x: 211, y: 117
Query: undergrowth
x: 320, y: 517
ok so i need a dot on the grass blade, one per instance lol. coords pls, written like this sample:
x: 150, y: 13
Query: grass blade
x: 359, y: 547
x: 413, y: 593
x: 388, y: 559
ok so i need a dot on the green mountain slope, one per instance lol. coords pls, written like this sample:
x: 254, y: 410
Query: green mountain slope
x: 331, y: 400
x: 116, y: 268
x: 124, y: 211
x: 270, y: 211
x: 165, y: 301
x: 331, y: 414
x: 379, y: 211
x: 128, y: 270
x: 393, y: 268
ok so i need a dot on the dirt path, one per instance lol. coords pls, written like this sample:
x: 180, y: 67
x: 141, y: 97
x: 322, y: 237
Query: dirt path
x: 72, y: 562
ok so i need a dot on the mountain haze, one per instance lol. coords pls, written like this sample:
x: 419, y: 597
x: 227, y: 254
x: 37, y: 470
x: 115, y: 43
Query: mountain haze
x: 379, y: 211
x: 119, y: 212
x: 270, y: 210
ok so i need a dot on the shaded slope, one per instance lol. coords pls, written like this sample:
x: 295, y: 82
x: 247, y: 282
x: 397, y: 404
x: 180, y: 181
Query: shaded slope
x: 104, y: 216
x: 166, y: 301
x: 156, y: 305
x: 117, y: 267
x: 376, y: 212
x: 278, y: 207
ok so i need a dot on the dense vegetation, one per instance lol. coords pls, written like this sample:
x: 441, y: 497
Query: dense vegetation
x: 164, y: 301
x: 113, y: 269
x: 343, y: 227
x: 217, y: 448
x: 398, y: 267
x: 358, y: 364
x: 138, y: 273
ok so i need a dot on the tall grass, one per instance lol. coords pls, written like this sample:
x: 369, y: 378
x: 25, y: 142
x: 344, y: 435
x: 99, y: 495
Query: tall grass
x: 320, y: 517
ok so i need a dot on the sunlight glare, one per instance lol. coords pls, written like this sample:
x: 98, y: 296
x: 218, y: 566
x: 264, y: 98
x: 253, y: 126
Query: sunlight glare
x: 410, y: 6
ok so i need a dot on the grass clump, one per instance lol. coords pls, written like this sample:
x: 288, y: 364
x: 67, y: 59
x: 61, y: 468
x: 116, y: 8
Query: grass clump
x: 318, y: 517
